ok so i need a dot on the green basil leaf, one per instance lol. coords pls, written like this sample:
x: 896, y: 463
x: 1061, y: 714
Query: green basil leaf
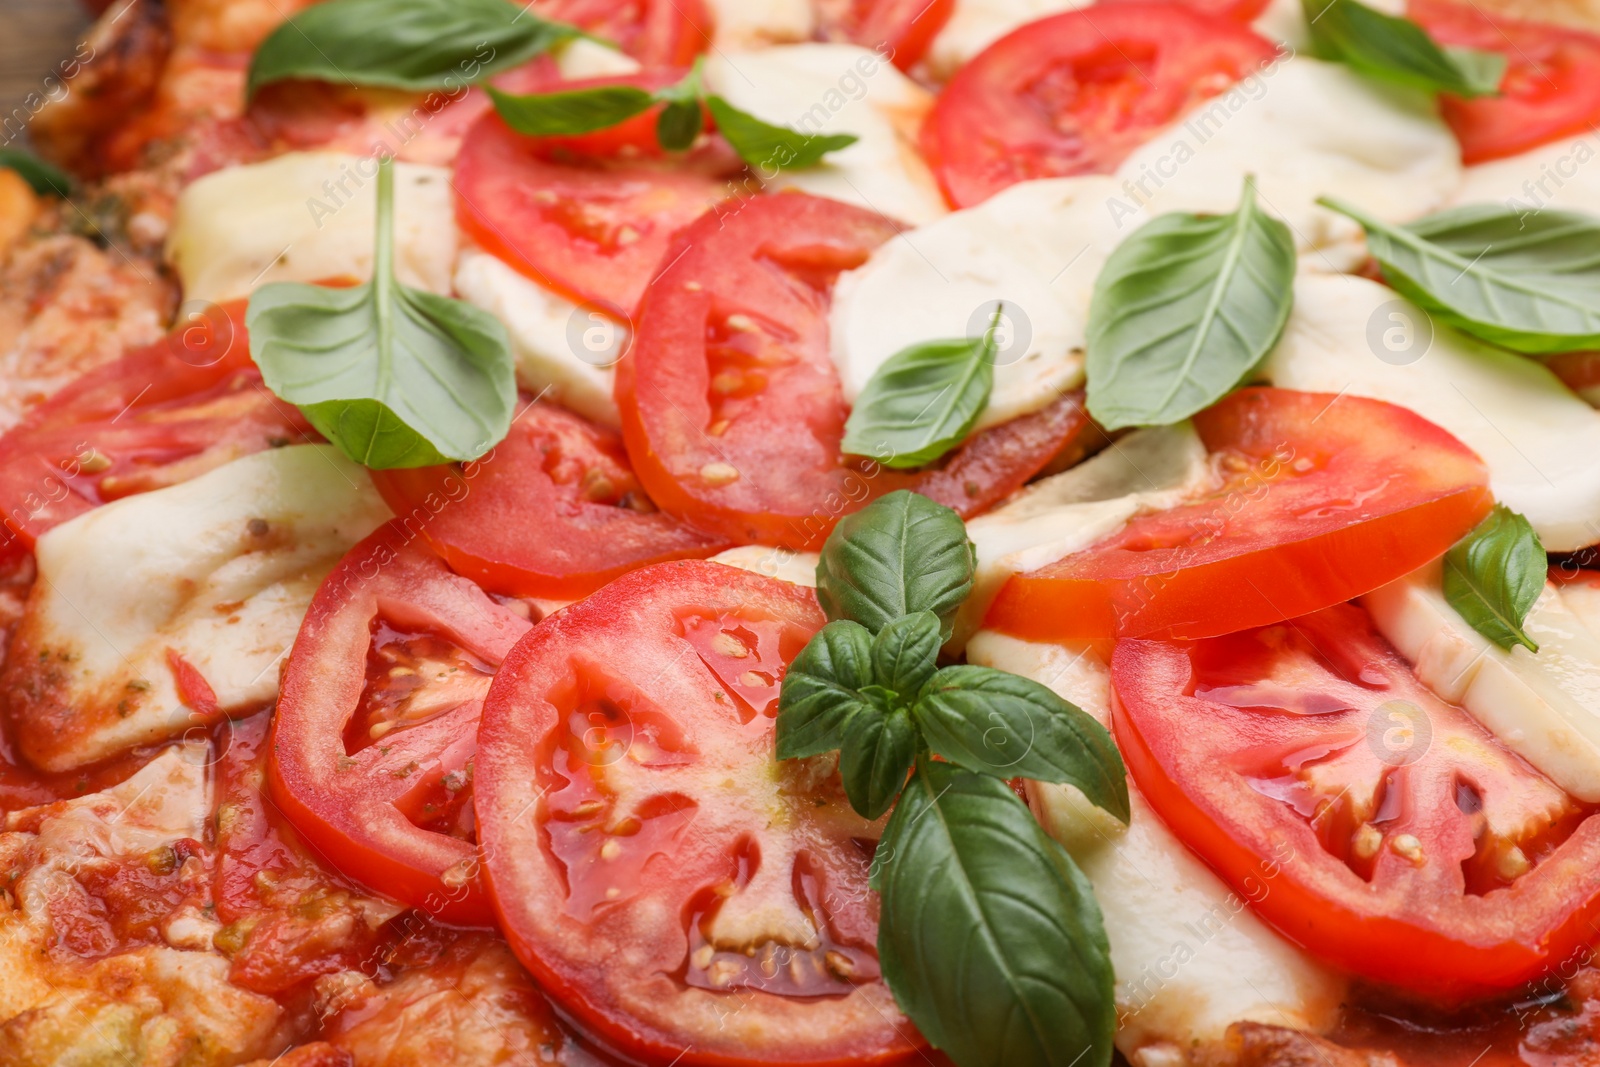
x: 396, y: 377
x: 989, y: 936
x: 923, y: 401
x: 1493, y: 576
x: 1525, y: 281
x: 43, y: 178
x: 906, y: 653
x: 570, y: 111
x: 683, y: 118
x: 899, y: 555
x: 1183, y: 310
x: 1398, y: 50
x: 414, y: 44
x: 1009, y: 726
x: 822, y: 690
x: 770, y: 147
x: 876, y: 755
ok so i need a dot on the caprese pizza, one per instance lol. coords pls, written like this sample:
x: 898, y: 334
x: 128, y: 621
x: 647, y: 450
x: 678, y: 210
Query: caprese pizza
x: 827, y: 533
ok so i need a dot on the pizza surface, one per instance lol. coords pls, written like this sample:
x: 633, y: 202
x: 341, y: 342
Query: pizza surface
x: 810, y: 532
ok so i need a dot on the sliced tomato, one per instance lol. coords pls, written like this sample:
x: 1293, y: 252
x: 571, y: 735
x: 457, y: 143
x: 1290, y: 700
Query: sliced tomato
x: 1322, y: 498
x: 658, y: 33
x: 1076, y: 93
x: 1551, y: 87
x: 594, y: 230
x: 898, y: 30
x: 158, y: 416
x: 554, y: 511
x: 669, y: 883
x: 375, y: 731
x: 1234, y: 10
x: 1377, y: 826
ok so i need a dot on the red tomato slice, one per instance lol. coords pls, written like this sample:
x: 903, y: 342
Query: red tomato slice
x: 1551, y: 88
x: 898, y: 30
x: 158, y: 416
x: 594, y: 521
x: 1394, y: 836
x: 669, y: 884
x: 374, y: 736
x: 595, y: 232
x: 658, y: 33
x: 1323, y: 498
x: 1234, y: 10
x: 1076, y: 93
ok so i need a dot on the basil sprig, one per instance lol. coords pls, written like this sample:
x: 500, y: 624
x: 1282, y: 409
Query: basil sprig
x: 394, y: 376
x: 1527, y: 282
x: 1398, y: 50
x: 569, y: 112
x: 43, y: 178
x: 1493, y: 576
x: 403, y: 44
x: 989, y: 936
x: 1184, y: 309
x: 923, y: 401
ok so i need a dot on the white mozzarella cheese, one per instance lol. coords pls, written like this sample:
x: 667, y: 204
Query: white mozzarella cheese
x: 748, y: 24
x: 308, y: 217
x: 976, y: 24
x: 219, y: 569
x: 1544, y: 706
x: 1145, y: 471
x: 1035, y: 247
x: 1285, y: 21
x: 1560, y: 175
x: 784, y: 564
x: 583, y: 58
x: 1305, y: 129
x: 569, y: 350
x: 1352, y: 335
x: 839, y: 88
x: 1190, y: 957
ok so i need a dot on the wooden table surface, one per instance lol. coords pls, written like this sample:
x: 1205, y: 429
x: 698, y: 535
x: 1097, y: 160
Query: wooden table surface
x: 34, y: 35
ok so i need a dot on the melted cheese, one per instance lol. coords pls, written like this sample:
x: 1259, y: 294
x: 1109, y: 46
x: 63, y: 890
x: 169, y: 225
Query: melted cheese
x: 839, y: 88
x: 747, y: 24
x: 219, y: 570
x: 582, y: 58
x: 976, y: 24
x: 1190, y: 957
x: 1036, y: 247
x: 1305, y: 129
x: 1285, y: 21
x: 559, y: 347
x: 1538, y: 438
x: 308, y: 217
x: 1562, y: 175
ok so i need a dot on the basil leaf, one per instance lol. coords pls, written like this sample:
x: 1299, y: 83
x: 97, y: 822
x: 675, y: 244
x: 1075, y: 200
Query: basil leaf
x: 683, y: 118
x: 923, y: 401
x: 1493, y: 576
x: 396, y: 377
x: 403, y: 44
x: 989, y: 936
x: 821, y: 690
x: 1397, y: 49
x: 906, y: 653
x: 1525, y: 281
x: 571, y: 111
x: 43, y: 178
x: 898, y: 555
x: 1183, y: 310
x: 773, y: 148
x: 1009, y: 726
x: 878, y: 750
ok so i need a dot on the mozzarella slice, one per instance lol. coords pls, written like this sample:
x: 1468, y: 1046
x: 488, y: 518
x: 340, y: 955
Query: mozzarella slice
x: 1190, y: 957
x: 1556, y: 175
x: 784, y: 564
x: 1305, y: 129
x: 218, y: 570
x: 583, y: 58
x: 308, y: 217
x: 1351, y: 335
x: 562, y: 350
x: 749, y: 24
x: 976, y: 24
x: 1035, y: 247
x: 839, y: 88
x: 1544, y: 707
x: 1066, y: 513
x: 1285, y: 21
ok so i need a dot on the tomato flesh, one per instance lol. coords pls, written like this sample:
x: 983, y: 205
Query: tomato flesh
x: 899, y: 30
x: 1398, y: 839
x: 668, y: 882
x: 374, y: 735
x: 657, y: 33
x: 554, y: 511
x: 1322, y: 498
x: 1076, y: 93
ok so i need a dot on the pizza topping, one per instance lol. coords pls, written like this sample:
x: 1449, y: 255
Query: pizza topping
x: 899, y: 30
x: 658, y: 33
x: 1396, y: 49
